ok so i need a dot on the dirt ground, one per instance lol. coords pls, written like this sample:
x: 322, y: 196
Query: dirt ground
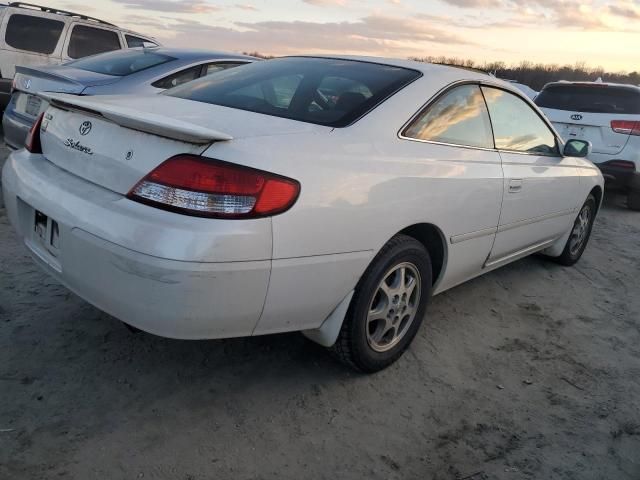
x: 532, y: 371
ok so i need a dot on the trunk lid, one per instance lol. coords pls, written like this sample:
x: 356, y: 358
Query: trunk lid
x: 594, y: 127
x: 114, y: 141
x: 58, y: 78
x: 585, y: 110
x: 28, y: 81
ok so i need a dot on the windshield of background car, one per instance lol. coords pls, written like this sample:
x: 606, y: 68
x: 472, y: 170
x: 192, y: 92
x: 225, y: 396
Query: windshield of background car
x: 590, y: 99
x: 121, y: 63
x: 323, y: 91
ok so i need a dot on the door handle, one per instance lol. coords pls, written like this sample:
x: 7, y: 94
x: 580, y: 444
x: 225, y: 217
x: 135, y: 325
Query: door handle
x: 515, y: 185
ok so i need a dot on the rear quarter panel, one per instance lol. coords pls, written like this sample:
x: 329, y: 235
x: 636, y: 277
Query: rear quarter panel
x: 360, y: 186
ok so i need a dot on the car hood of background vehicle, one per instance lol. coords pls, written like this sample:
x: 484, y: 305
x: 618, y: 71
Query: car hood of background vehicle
x: 232, y: 122
x: 60, y: 78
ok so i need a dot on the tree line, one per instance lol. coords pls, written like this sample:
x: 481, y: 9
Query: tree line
x: 535, y: 75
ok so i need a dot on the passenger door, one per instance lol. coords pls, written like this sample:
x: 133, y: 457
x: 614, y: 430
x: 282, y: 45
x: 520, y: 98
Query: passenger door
x: 540, y: 185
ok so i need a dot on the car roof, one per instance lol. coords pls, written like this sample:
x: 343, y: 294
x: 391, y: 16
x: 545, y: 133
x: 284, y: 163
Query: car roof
x: 624, y: 86
x: 193, y: 53
x: 32, y: 9
x: 423, y: 67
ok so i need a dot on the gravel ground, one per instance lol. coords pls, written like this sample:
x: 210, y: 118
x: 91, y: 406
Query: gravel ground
x: 531, y: 371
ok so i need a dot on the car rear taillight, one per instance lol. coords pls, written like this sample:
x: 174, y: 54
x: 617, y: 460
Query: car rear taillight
x: 205, y: 187
x: 627, y: 127
x: 32, y: 143
x: 622, y: 164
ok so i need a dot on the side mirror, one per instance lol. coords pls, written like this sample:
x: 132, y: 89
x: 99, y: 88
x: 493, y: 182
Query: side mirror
x: 578, y: 148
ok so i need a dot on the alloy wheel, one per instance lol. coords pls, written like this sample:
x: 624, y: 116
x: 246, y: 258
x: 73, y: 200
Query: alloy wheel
x: 393, y: 307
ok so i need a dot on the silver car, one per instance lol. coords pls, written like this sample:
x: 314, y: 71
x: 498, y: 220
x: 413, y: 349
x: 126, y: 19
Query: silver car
x: 133, y: 71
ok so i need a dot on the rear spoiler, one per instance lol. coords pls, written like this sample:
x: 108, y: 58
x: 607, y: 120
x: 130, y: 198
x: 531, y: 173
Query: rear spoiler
x: 160, y: 125
x: 34, y: 72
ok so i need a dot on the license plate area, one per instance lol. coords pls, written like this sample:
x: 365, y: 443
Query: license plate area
x: 27, y: 104
x: 46, y: 233
x: 33, y: 106
x: 574, y: 131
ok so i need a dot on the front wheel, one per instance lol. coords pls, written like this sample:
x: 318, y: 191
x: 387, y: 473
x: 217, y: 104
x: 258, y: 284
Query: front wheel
x: 580, y: 233
x: 387, y: 308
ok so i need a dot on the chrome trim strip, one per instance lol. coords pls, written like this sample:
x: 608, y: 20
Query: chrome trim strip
x: 529, y: 221
x: 471, y: 235
x: 487, y: 83
x: 469, y: 147
x: 557, y: 165
x: 537, y: 154
x: 520, y: 253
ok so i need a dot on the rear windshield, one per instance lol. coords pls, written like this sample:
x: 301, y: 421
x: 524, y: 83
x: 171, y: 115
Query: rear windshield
x: 591, y: 99
x: 121, y: 63
x: 314, y: 90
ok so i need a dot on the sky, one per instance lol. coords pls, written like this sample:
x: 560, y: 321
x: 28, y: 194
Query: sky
x: 595, y: 32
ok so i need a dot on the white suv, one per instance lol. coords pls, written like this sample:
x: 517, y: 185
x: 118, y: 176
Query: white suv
x: 606, y: 114
x: 36, y: 35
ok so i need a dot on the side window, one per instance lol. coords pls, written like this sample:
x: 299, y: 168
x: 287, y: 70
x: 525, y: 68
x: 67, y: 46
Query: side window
x: 217, y: 67
x: 178, y: 78
x: 87, y: 41
x: 33, y: 34
x: 459, y: 117
x: 136, y: 42
x: 517, y: 127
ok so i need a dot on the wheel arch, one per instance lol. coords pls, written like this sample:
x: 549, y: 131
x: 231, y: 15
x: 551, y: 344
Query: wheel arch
x: 434, y: 241
x: 597, y: 193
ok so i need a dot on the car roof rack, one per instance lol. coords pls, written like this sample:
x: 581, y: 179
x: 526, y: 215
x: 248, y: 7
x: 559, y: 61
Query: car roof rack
x: 57, y: 11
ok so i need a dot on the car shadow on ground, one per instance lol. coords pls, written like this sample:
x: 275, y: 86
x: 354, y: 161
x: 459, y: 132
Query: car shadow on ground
x: 497, y: 372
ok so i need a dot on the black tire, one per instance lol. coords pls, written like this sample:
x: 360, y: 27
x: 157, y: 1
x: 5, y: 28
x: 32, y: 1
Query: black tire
x: 633, y: 200
x: 571, y: 255
x: 353, y: 345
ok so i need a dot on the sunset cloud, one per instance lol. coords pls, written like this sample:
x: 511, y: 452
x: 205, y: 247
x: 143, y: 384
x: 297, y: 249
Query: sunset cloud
x: 373, y: 35
x: 547, y: 31
x: 326, y: 3
x: 173, y: 6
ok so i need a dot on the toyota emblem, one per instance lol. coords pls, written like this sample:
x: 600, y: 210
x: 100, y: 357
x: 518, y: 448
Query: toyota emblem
x: 85, y: 128
x: 576, y: 116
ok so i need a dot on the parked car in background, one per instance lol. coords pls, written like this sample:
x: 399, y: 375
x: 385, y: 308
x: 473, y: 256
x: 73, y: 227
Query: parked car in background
x: 36, y: 35
x: 133, y: 71
x: 327, y: 195
x: 527, y: 90
x: 607, y: 115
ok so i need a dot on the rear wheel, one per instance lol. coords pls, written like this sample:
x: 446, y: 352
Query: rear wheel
x: 633, y: 200
x: 580, y: 233
x: 387, y: 308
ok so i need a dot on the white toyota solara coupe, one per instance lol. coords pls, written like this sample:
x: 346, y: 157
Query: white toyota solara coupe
x: 332, y: 196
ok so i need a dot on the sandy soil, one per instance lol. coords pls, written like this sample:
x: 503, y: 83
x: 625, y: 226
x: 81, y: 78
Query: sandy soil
x: 532, y: 371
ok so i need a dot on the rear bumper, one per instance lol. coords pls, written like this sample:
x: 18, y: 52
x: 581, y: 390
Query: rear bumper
x: 619, y: 177
x: 173, y: 280
x: 15, y: 129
